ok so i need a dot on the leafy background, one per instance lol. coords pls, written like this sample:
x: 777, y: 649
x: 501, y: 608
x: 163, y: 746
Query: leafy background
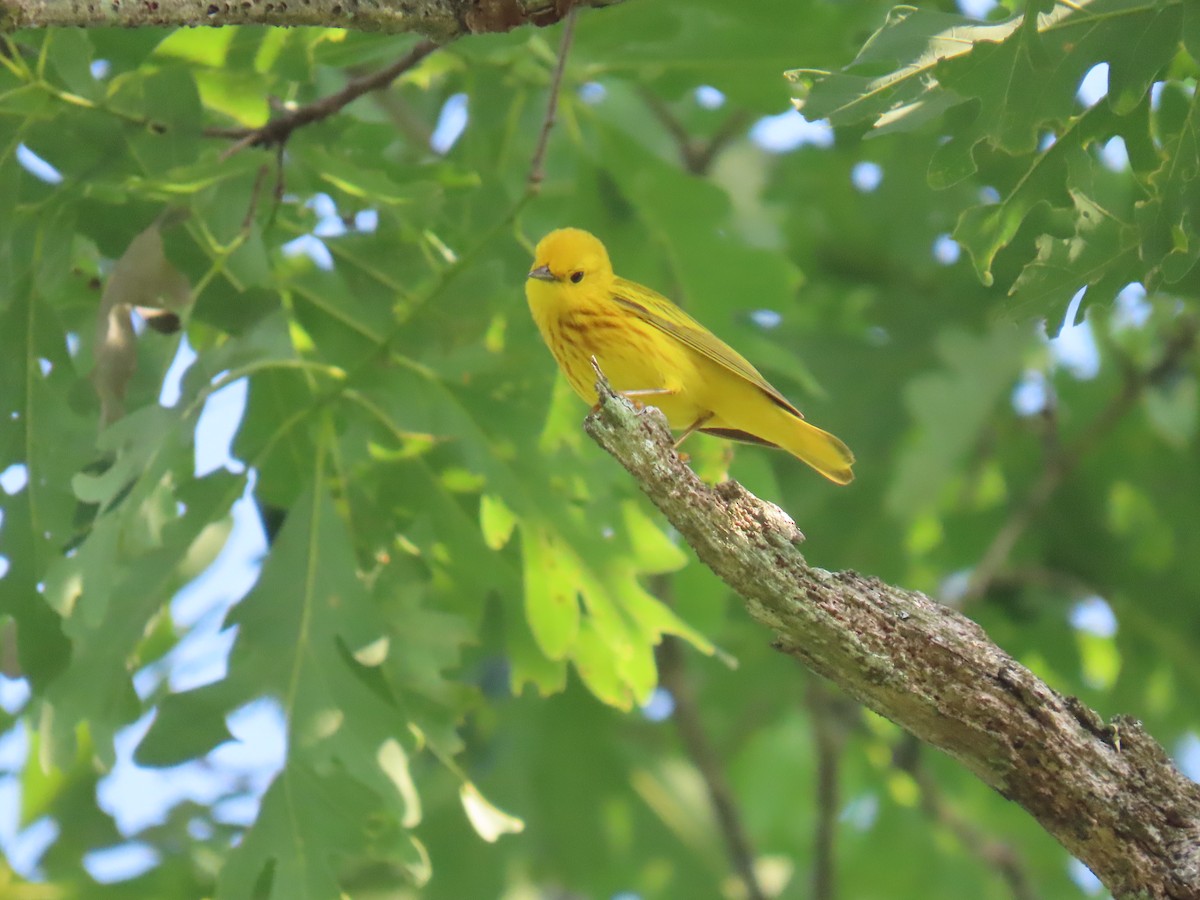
x: 326, y: 587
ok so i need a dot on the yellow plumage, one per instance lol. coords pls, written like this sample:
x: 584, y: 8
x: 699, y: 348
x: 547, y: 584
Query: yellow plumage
x: 651, y: 350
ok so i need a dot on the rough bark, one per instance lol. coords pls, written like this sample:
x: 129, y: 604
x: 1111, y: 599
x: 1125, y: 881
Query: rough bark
x: 442, y: 20
x: 1106, y: 791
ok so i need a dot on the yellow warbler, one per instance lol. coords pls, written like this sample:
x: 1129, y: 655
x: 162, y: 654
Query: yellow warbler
x: 650, y: 349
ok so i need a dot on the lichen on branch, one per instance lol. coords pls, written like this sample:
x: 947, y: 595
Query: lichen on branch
x: 441, y: 20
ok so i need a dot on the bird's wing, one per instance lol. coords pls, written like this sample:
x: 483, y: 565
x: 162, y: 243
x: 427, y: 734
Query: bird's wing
x: 668, y: 318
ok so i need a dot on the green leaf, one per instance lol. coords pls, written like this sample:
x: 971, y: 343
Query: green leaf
x: 171, y: 103
x: 597, y: 667
x: 187, y: 725
x: 342, y: 715
x: 489, y: 822
x: 69, y: 51
x: 239, y: 95
x: 1018, y: 74
x: 339, y: 815
x: 135, y: 556
x: 653, y: 551
x: 917, y: 39
x: 1101, y: 256
x: 552, y: 582
x: 496, y: 520
x: 356, y: 179
x: 528, y: 664
x: 1010, y: 80
x: 950, y: 408
x: 1169, y: 218
x: 1132, y: 516
x: 1172, y: 411
x: 1191, y: 31
x: 207, y: 47
x: 985, y: 230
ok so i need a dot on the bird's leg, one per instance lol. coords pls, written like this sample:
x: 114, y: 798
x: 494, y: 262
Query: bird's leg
x: 698, y: 424
x: 648, y: 392
x: 633, y: 396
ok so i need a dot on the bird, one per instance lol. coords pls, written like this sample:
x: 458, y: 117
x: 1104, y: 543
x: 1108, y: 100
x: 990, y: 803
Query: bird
x: 651, y: 351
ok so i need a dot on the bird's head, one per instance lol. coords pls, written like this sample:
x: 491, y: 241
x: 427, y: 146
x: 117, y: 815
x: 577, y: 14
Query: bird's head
x: 570, y: 257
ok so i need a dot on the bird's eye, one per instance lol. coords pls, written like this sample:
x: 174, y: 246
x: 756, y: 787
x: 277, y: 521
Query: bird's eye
x: 576, y: 277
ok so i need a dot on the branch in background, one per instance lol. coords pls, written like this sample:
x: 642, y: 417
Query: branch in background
x: 1061, y: 462
x: 252, y: 206
x: 441, y: 20
x: 1070, y: 586
x: 828, y: 737
x: 697, y: 155
x: 674, y: 677
x: 997, y: 854
x: 536, y: 165
x: 408, y: 122
x: 1107, y: 792
x: 277, y: 131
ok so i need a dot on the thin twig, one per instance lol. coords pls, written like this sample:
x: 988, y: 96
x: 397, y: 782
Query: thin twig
x: 674, y: 677
x: 1066, y: 584
x: 278, y: 130
x: 252, y: 206
x: 697, y: 155
x: 280, y: 175
x: 416, y: 129
x: 1060, y: 465
x: 997, y: 854
x: 683, y: 139
x: 536, y: 165
x: 730, y: 128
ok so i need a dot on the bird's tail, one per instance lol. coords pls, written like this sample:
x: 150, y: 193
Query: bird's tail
x: 820, y: 449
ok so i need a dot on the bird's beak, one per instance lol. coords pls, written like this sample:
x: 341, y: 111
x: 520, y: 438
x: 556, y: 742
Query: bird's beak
x: 542, y: 273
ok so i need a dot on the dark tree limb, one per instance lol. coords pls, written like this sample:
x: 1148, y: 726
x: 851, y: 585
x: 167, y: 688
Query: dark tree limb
x: 822, y: 703
x: 695, y: 739
x: 1000, y: 855
x: 441, y: 20
x: 1062, y: 461
x: 697, y: 155
x: 1106, y: 791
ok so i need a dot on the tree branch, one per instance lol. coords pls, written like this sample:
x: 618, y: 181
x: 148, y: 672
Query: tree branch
x: 997, y: 854
x: 279, y: 129
x: 692, y: 734
x: 441, y: 20
x: 1061, y: 462
x: 828, y: 739
x: 697, y: 155
x: 1107, y: 792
